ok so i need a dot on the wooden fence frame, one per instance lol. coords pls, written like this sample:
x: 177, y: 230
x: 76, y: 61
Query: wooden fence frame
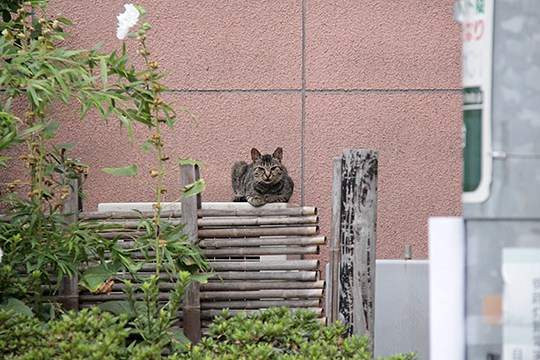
x: 351, y: 279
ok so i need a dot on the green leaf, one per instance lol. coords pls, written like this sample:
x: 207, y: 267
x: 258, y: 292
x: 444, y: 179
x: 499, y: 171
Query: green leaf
x: 94, y: 277
x: 66, y: 146
x: 18, y: 306
x: 31, y: 130
x: 190, y: 162
x: 146, y: 146
x: 201, y: 277
x: 194, y: 188
x: 127, y: 123
x: 50, y: 130
x: 117, y: 307
x: 65, y: 21
x: 130, y: 170
x: 103, y: 65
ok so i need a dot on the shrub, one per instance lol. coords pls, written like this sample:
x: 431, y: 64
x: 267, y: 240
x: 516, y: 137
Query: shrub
x: 278, y: 333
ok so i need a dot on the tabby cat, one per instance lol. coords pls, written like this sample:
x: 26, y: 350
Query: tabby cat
x: 263, y: 181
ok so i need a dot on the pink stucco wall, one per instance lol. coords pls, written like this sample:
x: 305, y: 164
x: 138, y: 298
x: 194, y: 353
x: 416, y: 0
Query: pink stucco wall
x: 311, y: 76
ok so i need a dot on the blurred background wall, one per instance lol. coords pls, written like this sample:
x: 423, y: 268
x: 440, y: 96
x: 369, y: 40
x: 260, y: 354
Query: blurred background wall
x: 311, y: 76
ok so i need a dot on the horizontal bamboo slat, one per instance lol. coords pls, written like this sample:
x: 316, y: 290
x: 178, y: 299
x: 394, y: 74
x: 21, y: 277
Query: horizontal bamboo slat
x: 210, y: 314
x: 127, y: 214
x: 262, y: 294
x: 123, y: 224
x: 116, y: 296
x: 261, y: 285
x: 259, y: 304
x: 266, y: 265
x: 255, y: 221
x: 268, y: 275
x: 249, y: 242
x: 292, y: 211
x: 263, y: 231
x: 257, y: 241
x: 237, y: 251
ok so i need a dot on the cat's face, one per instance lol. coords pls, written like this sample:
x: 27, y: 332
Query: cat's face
x: 267, y: 168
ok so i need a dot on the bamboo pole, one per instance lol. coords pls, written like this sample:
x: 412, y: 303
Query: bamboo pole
x: 261, y: 211
x: 96, y: 298
x: 264, y: 231
x: 123, y: 224
x: 227, y: 222
x: 259, y: 220
x: 96, y: 215
x: 259, y: 304
x: 192, y: 302
x: 268, y: 275
x: 332, y: 293
x: 262, y: 294
x: 237, y: 251
x: 261, y: 285
x: 69, y: 288
x: 265, y: 265
x: 210, y: 314
x: 246, y: 242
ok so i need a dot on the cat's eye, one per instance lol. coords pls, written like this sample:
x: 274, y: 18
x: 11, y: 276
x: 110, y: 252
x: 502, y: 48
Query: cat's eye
x: 258, y: 168
x: 274, y: 168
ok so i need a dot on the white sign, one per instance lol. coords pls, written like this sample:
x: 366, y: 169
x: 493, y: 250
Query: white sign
x: 521, y: 303
x: 476, y: 17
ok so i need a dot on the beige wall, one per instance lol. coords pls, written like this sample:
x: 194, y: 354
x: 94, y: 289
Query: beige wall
x: 311, y: 76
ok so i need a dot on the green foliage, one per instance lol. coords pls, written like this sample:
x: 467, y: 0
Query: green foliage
x: 278, y: 333
x: 40, y: 245
x: 84, y: 335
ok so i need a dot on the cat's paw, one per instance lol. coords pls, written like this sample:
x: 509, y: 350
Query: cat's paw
x: 276, y: 199
x: 256, y: 201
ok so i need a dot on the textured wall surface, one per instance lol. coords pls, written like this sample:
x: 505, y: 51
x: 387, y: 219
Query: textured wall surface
x: 311, y: 76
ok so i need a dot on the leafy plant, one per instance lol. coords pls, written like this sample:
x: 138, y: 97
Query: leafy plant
x: 88, y: 334
x: 278, y: 333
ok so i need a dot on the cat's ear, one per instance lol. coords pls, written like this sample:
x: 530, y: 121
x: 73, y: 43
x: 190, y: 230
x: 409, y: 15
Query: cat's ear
x: 278, y: 154
x: 255, y: 154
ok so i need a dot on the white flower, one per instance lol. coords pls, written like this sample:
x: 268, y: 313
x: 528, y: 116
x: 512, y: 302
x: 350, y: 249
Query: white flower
x: 1, y: 254
x: 127, y: 20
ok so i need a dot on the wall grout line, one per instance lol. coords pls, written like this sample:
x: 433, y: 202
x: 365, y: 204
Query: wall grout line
x: 322, y: 91
x: 303, y: 130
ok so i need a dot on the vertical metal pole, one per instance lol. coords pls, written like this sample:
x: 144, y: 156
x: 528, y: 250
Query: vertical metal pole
x: 357, y: 240
x: 192, y: 300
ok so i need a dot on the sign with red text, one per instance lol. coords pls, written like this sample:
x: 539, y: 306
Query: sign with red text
x: 476, y: 17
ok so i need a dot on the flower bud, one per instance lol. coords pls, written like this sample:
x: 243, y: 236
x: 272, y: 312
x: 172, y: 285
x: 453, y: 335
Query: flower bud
x: 154, y: 173
x: 42, y: 21
x: 153, y: 64
x: 47, y: 32
x: 146, y: 26
x: 56, y: 24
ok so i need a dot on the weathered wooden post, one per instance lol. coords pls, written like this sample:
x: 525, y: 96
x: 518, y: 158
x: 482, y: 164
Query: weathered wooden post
x: 69, y: 290
x: 192, y: 299
x: 357, y: 218
x: 333, y: 263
